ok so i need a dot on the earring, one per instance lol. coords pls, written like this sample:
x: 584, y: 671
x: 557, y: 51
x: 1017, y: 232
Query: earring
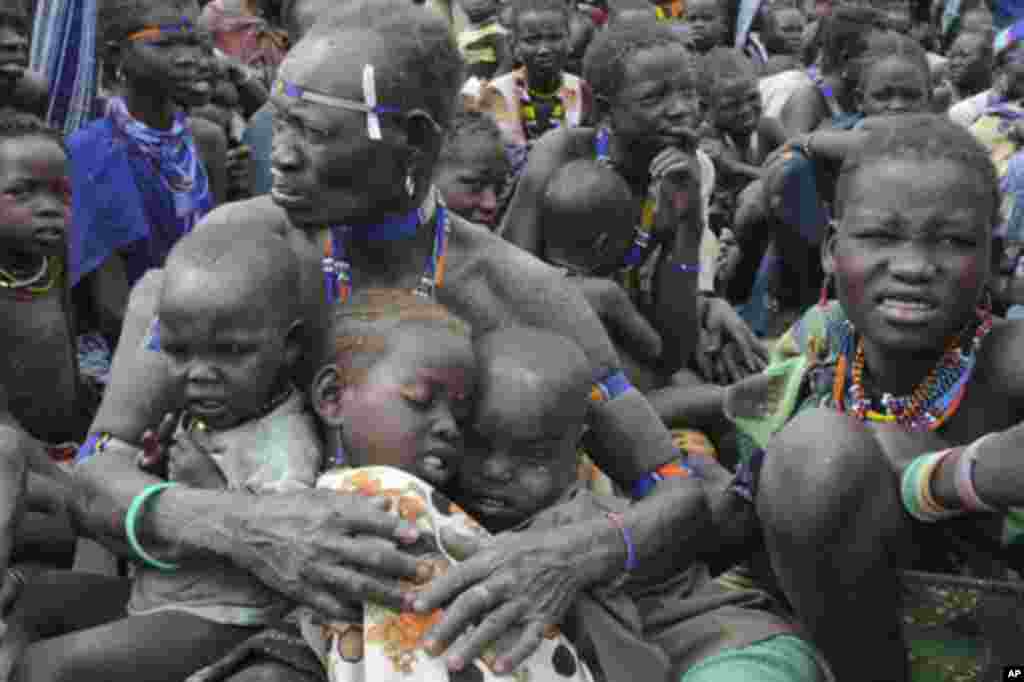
x: 410, y: 185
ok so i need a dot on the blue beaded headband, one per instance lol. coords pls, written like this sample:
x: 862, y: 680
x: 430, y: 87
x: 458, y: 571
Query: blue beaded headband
x: 368, y: 106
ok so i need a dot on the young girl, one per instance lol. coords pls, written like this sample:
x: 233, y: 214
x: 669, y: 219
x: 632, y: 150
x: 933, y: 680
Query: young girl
x: 912, y: 360
x: 138, y: 181
x: 540, y: 96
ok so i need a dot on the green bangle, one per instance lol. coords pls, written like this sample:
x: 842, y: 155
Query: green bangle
x: 134, y: 511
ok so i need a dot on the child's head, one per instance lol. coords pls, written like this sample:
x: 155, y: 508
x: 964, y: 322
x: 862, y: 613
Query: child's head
x: 644, y: 82
x: 229, y: 320
x: 398, y: 382
x: 157, y: 47
x: 529, y: 418
x: 14, y: 37
x: 977, y: 20
x: 472, y: 169
x: 970, y: 60
x: 35, y: 195
x: 587, y: 218
x: 843, y: 35
x: 894, y: 77
x: 708, y: 23
x: 1008, y: 66
x: 540, y: 36
x: 783, y: 30
x: 480, y: 11
x: 912, y: 249
x: 729, y: 90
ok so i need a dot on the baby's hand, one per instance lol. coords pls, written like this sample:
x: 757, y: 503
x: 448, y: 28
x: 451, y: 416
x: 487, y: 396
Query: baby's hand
x: 192, y: 464
x: 675, y: 178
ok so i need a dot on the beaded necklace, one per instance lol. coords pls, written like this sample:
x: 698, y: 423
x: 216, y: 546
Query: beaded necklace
x: 193, y: 424
x: 673, y: 11
x: 536, y: 123
x: 338, y: 270
x: 29, y: 288
x: 932, y: 402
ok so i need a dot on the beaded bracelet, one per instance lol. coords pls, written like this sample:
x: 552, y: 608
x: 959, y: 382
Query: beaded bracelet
x: 619, y: 521
x: 694, y: 268
x: 915, y: 489
x: 131, y: 520
x: 965, y: 489
x: 610, y: 388
x: 95, y: 444
x: 748, y: 474
x: 674, y: 469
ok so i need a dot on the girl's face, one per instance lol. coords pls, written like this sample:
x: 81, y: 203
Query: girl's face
x: 410, y: 408
x: 658, y: 105
x: 912, y: 252
x: 473, y: 178
x: 35, y: 196
x: 894, y: 85
x: 542, y: 43
x: 174, y: 63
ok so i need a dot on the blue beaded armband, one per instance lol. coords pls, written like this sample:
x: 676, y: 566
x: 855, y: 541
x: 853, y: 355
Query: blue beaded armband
x: 676, y: 469
x: 611, y: 388
x: 747, y: 476
x: 152, y: 341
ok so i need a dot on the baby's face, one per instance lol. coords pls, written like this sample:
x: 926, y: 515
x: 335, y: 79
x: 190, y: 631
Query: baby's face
x: 737, y: 107
x: 522, y: 452
x: 226, y: 346
x: 35, y: 196
x: 409, y: 410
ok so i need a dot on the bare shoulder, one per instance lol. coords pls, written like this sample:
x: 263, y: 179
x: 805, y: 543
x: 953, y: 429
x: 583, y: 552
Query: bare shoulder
x: 260, y: 213
x: 475, y: 249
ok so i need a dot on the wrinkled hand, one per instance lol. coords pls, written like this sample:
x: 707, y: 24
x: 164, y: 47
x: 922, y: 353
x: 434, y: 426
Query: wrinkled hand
x: 519, y: 581
x: 613, y: 306
x: 153, y: 457
x: 729, y: 350
x: 321, y: 548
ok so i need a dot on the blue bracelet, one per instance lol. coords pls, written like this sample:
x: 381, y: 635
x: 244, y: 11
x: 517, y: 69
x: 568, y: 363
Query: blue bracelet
x: 131, y: 521
x: 687, y: 267
x: 152, y: 341
x: 611, y: 388
x: 632, y: 563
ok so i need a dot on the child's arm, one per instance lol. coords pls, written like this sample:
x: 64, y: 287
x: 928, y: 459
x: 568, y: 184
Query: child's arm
x: 212, y: 145
x: 694, y: 406
x: 521, y: 225
x: 803, y: 111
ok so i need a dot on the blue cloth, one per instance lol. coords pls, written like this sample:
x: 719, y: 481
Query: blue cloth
x: 120, y: 203
x: 1013, y: 184
x: 1006, y: 12
x: 64, y: 51
x: 259, y: 137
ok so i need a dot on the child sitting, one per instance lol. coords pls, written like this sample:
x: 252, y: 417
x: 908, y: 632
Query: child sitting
x: 23, y: 90
x: 138, y: 181
x: 229, y: 330
x: 908, y: 361
x: 540, y: 96
x: 482, y: 42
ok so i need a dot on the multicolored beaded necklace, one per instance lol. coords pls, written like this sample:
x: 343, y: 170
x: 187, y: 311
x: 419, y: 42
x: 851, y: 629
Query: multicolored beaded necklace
x: 931, y: 404
x: 642, y: 239
x: 551, y: 114
x: 672, y: 11
x: 338, y: 270
x: 29, y: 288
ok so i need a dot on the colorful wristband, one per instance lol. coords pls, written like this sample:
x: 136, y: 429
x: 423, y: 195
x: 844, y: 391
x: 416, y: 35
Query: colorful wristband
x: 611, y: 388
x: 694, y: 268
x: 965, y: 489
x: 135, y: 510
x: 915, y: 489
x: 675, y: 469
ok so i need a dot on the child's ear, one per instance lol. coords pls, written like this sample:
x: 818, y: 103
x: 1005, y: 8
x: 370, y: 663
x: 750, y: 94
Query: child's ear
x: 828, y: 248
x: 326, y: 395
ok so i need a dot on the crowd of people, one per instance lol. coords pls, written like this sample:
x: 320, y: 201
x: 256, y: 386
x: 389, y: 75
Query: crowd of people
x: 430, y: 340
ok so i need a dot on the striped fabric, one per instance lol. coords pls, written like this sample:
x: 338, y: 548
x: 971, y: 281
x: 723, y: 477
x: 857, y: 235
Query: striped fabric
x: 64, y: 51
